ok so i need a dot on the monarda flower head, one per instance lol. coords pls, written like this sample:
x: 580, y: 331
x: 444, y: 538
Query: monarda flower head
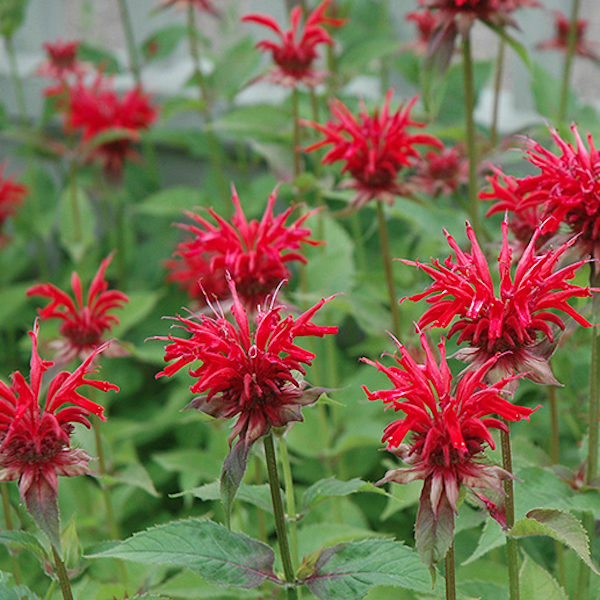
x: 440, y: 173
x: 254, y: 253
x: 516, y: 322
x: 295, y: 53
x: 12, y: 195
x: 83, y: 324
x: 567, y: 189
x: 35, y: 428
x: 248, y: 370
x: 560, y: 41
x: 374, y: 148
x: 61, y: 65
x: 449, y: 425
x: 427, y: 23
x: 97, y: 109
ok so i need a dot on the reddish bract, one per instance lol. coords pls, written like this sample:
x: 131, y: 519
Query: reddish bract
x: 442, y: 172
x: 249, y: 371
x: 374, y: 148
x: 12, y: 194
x: 294, y: 55
x: 515, y: 323
x: 427, y: 23
x: 254, y: 253
x: 449, y: 428
x: 83, y: 325
x: 61, y: 65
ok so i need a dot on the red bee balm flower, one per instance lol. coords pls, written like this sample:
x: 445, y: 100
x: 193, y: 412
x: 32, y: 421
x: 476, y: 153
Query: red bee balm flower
x: 254, y: 253
x: 11, y: 195
x: 427, y: 22
x: 62, y: 61
x: 97, y: 109
x: 294, y: 57
x: 440, y: 172
x: 560, y: 41
x: 83, y: 324
x: 34, y: 434
x: 374, y: 147
x: 567, y: 189
x: 247, y: 372
x: 517, y: 323
x: 449, y: 432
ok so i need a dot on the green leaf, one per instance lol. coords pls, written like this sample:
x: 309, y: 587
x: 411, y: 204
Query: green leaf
x: 140, y: 305
x: 171, y: 202
x: 546, y: 90
x: 134, y: 474
x: 77, y: 220
x: 202, y: 546
x: 19, y: 592
x: 368, y: 50
x: 347, y: 571
x: 514, y: 44
x: 22, y: 540
x: 234, y: 68
x: 163, y: 42
x: 12, y: 15
x: 559, y: 525
x: 99, y: 56
x: 491, y: 537
x: 535, y: 583
x: 42, y: 503
x: 258, y: 495
x: 12, y: 299
x: 192, y: 586
x: 260, y: 121
x: 326, y: 488
x: 175, y: 105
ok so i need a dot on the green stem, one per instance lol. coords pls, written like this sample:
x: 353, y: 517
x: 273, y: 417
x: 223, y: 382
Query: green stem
x: 566, y: 78
x: 554, y: 427
x: 591, y: 467
x: 216, y: 152
x: 387, y: 263
x: 74, y: 200
x: 470, y: 132
x: 290, y: 500
x: 497, y: 90
x: 8, y: 522
x: 512, y: 556
x: 134, y: 61
x: 450, y: 574
x: 14, y: 74
x: 50, y: 590
x: 296, y: 136
x: 63, y: 577
x: 280, y: 528
x: 359, y: 242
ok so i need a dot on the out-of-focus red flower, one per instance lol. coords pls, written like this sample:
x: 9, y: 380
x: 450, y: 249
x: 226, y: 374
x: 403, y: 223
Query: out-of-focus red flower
x: 516, y: 323
x: 83, y: 325
x: 207, y: 6
x: 295, y: 53
x: 192, y: 271
x: 427, y: 23
x: 247, y: 371
x: 254, y: 253
x: 12, y: 194
x: 449, y: 426
x: 373, y: 147
x: 560, y: 41
x: 97, y: 109
x: 34, y: 432
x: 61, y: 65
x: 440, y: 173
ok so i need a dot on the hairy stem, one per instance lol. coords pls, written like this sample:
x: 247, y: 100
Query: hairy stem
x: 290, y: 500
x: 450, y: 574
x: 8, y: 523
x: 387, y: 263
x: 566, y: 78
x: 497, y: 90
x: 554, y: 428
x: 470, y: 133
x: 280, y: 527
x: 16, y: 79
x: 512, y: 556
x: 63, y: 577
x: 134, y: 61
